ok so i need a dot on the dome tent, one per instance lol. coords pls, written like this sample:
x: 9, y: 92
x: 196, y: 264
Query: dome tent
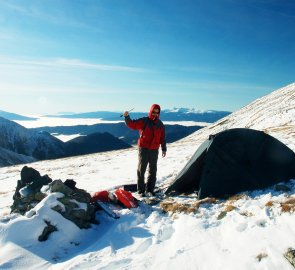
x: 233, y: 161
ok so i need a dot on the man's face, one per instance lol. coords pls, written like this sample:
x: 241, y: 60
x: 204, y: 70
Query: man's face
x: 155, y: 112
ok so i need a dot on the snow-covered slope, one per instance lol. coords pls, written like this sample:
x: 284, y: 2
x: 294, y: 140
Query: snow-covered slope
x: 8, y: 158
x: 253, y: 235
x: 40, y: 145
x: 273, y: 114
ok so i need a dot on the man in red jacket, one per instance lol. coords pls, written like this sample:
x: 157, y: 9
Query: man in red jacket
x: 152, y: 135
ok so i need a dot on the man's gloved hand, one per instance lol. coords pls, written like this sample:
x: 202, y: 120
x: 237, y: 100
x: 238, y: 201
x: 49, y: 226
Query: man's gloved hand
x: 163, y: 153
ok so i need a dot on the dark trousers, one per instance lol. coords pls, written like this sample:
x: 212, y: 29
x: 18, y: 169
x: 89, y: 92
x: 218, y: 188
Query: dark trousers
x: 145, y: 157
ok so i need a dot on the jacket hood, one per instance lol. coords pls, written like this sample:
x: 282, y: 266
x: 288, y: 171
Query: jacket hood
x: 154, y: 117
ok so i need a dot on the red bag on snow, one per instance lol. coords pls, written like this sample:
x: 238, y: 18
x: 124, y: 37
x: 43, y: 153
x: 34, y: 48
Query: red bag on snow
x: 102, y: 196
x: 126, y: 198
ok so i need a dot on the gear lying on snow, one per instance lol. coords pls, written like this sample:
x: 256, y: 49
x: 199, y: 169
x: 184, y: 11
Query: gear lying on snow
x: 120, y: 196
x: 233, y: 161
x: 33, y: 188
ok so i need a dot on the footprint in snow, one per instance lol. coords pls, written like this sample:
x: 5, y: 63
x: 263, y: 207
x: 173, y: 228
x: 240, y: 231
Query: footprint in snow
x: 85, y: 265
x: 261, y: 223
x: 164, y: 233
x: 177, y: 253
x: 242, y: 227
x: 120, y: 264
x: 144, y: 246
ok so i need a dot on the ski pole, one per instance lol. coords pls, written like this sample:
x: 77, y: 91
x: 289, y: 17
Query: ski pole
x: 128, y: 112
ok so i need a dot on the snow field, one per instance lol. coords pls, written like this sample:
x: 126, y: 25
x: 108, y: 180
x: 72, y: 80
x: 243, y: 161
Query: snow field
x: 251, y: 231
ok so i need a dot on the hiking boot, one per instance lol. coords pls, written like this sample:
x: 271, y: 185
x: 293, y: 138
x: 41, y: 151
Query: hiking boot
x: 150, y: 194
x: 141, y: 193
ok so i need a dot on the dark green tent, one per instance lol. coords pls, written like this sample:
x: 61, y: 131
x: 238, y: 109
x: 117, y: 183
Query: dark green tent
x: 233, y: 161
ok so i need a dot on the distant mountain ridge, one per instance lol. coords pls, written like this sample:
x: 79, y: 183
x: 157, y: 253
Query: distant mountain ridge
x: 18, y: 139
x: 21, y: 145
x: 175, y: 114
x: 13, y: 116
x: 173, y: 132
x: 92, y: 143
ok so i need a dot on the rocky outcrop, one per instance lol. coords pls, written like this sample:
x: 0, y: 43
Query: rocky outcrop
x: 75, y: 205
x: 290, y: 256
x: 28, y: 190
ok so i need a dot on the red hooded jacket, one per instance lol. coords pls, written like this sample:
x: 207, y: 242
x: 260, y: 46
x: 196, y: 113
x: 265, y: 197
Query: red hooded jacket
x: 151, y: 130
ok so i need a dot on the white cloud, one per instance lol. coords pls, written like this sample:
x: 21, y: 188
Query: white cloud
x: 18, y: 87
x: 64, y: 63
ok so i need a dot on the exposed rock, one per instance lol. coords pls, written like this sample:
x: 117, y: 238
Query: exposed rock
x: 59, y: 186
x: 47, y: 231
x: 28, y: 175
x: 27, y: 193
x: 39, y: 196
x: 290, y: 256
x: 81, y: 196
x: 77, y: 205
x: 77, y: 202
x: 70, y: 183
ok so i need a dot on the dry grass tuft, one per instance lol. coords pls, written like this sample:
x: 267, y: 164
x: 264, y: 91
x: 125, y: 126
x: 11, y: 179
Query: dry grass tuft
x: 206, y: 200
x: 290, y: 201
x: 178, y: 207
x: 247, y: 214
x: 229, y: 208
x: 221, y: 215
x: 288, y: 206
x: 236, y: 197
x: 187, y: 208
x: 261, y: 256
x: 269, y: 204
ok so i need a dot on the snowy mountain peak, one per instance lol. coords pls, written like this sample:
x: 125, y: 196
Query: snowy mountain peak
x: 273, y: 114
x: 188, y: 111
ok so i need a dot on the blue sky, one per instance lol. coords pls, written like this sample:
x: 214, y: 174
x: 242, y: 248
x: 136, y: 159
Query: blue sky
x: 78, y: 56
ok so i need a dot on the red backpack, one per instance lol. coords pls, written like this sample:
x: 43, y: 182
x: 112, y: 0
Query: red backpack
x: 126, y: 198
x: 102, y: 196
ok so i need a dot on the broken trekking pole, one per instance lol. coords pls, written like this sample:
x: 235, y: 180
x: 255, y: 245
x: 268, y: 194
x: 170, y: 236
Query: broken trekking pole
x: 127, y: 111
